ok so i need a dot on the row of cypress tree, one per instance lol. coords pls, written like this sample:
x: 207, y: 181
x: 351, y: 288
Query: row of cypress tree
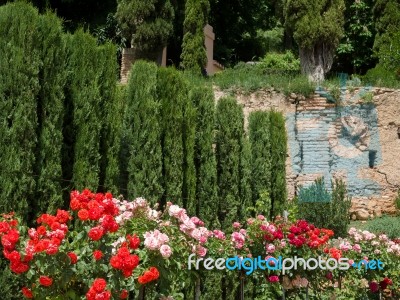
x: 58, y: 112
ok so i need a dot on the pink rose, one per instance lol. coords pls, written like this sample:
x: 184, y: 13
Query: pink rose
x: 165, y: 251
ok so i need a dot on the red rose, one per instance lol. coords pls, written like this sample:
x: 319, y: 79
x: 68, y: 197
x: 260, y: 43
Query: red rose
x: 63, y: 216
x: 373, y: 287
x: 123, y: 295
x: 134, y: 241
x: 41, y: 230
x: 45, y: 281
x: 96, y: 233
x: 83, y: 214
x: 75, y: 204
x: 19, y: 267
x: 273, y: 278
x: 99, y: 285
x: 27, y: 293
x: 73, y: 257
x: 97, y: 254
x: 150, y: 275
x: 385, y: 282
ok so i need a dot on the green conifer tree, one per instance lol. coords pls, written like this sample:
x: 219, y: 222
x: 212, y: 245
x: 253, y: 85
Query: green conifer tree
x: 172, y: 92
x: 50, y: 114
x: 194, y: 57
x: 261, y: 160
x: 229, y: 136
x: 19, y: 88
x: 278, y: 159
x: 84, y: 70
x: 207, y: 202
x: 143, y: 132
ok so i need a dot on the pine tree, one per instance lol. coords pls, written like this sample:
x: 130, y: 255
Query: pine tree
x: 172, y: 92
x: 50, y: 114
x: 19, y: 88
x: 194, y: 57
x: 229, y: 126
x: 143, y: 132
x: 261, y: 159
x: 245, y: 176
x: 278, y: 159
x: 207, y: 202
x: 84, y: 70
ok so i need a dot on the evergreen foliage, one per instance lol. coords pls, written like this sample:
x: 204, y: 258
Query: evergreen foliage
x: 50, y: 111
x: 278, y: 162
x: 207, y: 203
x: 189, y: 169
x: 112, y: 112
x: 261, y: 160
x: 19, y: 89
x: 84, y: 71
x: 142, y: 129
x: 245, y: 176
x: 194, y: 56
x: 146, y: 24
x: 172, y: 93
x: 317, y: 27
x: 229, y: 139
x: 335, y: 206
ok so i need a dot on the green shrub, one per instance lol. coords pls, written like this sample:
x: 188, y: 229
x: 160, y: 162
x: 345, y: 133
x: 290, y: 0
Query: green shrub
x: 281, y: 62
x: 381, y: 77
x: 386, y: 224
x: 324, y: 209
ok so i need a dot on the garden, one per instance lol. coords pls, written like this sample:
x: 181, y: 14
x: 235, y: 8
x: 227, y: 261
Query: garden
x: 114, y: 191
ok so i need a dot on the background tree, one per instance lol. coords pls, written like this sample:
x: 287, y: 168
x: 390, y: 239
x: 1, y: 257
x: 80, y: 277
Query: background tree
x: 317, y: 27
x: 147, y: 25
x: 387, y: 40
x: 354, y: 53
x: 194, y: 56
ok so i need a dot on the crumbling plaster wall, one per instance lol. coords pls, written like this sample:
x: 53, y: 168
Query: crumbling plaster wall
x: 356, y: 141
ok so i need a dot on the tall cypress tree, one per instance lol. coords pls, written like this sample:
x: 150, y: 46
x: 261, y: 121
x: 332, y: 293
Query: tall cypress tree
x: 278, y: 159
x: 261, y: 159
x: 229, y: 136
x: 19, y: 87
x: 206, y: 174
x: 111, y: 127
x: 50, y: 113
x: 84, y: 71
x: 172, y: 91
x: 194, y: 57
x: 189, y: 170
x: 245, y: 178
x: 142, y: 133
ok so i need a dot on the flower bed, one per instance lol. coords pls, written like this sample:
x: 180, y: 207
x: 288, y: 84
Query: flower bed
x: 108, y: 248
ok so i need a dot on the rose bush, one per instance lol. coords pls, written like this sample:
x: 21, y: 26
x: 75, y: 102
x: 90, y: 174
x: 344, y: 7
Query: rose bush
x: 108, y: 248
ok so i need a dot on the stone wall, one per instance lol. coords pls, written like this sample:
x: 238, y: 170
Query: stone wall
x: 356, y: 141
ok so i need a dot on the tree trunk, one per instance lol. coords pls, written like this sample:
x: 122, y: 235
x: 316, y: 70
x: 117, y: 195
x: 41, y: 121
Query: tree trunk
x: 316, y: 62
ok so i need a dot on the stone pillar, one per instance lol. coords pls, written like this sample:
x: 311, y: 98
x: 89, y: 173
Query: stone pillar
x: 209, y: 38
x: 128, y: 57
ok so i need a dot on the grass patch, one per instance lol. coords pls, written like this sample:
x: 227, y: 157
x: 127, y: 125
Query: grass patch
x: 388, y: 225
x: 250, y: 78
